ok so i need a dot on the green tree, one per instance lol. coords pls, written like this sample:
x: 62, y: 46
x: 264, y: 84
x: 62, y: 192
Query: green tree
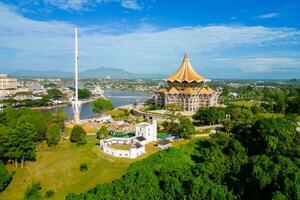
x: 102, y: 106
x: 59, y: 117
x: 120, y: 114
x: 174, y: 107
x: 21, y: 143
x: 84, y: 93
x: 186, y: 127
x: 275, y: 135
x: 33, y: 192
x: 103, y: 132
x: 78, y: 135
x: 53, y: 135
x: 5, y: 177
x: 171, y: 123
x: 209, y: 116
x: 54, y: 93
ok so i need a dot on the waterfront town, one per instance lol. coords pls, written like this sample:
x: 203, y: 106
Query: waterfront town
x: 174, y: 111
x: 134, y: 99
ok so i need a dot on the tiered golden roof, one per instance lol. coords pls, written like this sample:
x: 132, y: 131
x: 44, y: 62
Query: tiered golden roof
x: 188, y: 91
x: 185, y: 73
x: 210, y: 90
x: 163, y: 90
x: 206, y: 90
x: 173, y: 90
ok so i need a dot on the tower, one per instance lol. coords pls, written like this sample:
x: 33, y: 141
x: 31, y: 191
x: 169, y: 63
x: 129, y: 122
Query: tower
x: 76, y: 104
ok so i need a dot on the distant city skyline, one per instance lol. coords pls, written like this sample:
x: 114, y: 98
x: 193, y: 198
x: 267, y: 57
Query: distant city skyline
x: 224, y: 39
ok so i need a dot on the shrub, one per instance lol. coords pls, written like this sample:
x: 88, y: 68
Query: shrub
x: 33, y: 192
x: 49, y: 194
x: 83, y: 167
x: 78, y: 135
x: 102, y: 132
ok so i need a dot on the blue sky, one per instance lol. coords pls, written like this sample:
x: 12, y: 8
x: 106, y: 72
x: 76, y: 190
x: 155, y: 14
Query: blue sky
x: 224, y: 39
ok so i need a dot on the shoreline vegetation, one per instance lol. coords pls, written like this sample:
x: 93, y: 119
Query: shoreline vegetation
x: 60, y: 105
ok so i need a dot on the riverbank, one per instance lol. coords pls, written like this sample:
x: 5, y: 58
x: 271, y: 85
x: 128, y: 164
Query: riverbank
x: 60, y: 105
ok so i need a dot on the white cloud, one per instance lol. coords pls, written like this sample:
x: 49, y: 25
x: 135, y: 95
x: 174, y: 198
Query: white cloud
x: 262, y: 64
x: 130, y: 4
x: 268, y: 15
x: 49, y: 45
x: 76, y: 5
x: 68, y: 4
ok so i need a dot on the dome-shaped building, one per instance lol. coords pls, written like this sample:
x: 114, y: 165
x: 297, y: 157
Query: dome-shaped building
x: 187, y: 88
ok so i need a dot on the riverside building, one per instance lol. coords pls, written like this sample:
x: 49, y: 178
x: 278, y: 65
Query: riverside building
x: 187, y: 88
x: 8, y: 85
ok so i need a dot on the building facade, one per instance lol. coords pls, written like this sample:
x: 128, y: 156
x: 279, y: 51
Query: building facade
x: 187, y: 88
x: 8, y: 85
x: 147, y: 130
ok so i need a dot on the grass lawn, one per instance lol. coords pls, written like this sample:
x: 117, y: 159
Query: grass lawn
x: 57, y: 168
x: 121, y: 146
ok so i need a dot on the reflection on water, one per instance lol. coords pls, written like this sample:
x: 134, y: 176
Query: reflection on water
x: 117, y: 97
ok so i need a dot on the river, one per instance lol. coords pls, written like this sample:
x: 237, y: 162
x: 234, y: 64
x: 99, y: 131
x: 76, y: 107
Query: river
x: 118, y: 98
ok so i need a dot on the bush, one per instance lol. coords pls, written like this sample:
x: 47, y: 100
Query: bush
x: 120, y: 114
x: 33, y: 192
x: 174, y: 107
x: 5, y: 177
x: 78, y: 135
x: 83, y: 167
x: 49, y: 194
x: 53, y: 135
x: 102, y: 132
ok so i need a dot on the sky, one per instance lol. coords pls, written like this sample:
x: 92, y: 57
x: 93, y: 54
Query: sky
x: 249, y: 39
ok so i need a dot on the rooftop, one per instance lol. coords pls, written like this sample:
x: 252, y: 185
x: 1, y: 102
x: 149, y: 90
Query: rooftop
x: 186, y: 73
x: 163, y: 142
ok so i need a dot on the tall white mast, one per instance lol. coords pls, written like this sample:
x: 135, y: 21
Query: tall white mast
x: 76, y: 69
x: 77, y: 104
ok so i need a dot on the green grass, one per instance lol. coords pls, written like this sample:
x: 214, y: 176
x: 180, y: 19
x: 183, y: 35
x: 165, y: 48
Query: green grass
x: 162, y: 134
x: 268, y: 115
x: 57, y: 168
x: 247, y: 104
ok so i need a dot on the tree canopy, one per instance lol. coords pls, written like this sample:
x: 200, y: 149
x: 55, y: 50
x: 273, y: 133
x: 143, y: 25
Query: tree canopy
x: 216, y: 168
x: 78, y: 135
x: 102, y: 106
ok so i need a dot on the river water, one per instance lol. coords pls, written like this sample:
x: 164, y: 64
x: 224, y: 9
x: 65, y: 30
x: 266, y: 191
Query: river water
x: 118, y: 98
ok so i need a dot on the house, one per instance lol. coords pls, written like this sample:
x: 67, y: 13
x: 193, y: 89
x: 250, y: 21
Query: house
x: 164, y: 144
x: 147, y: 130
x: 141, y: 140
x: 104, y: 118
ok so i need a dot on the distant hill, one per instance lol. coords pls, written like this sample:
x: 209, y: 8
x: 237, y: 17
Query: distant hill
x: 101, y: 72
x: 41, y: 74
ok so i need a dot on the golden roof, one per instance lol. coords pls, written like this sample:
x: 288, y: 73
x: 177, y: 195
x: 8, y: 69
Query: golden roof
x: 173, y: 90
x: 185, y: 73
x: 209, y: 89
x: 203, y: 91
x: 188, y: 90
x: 163, y: 90
x: 206, y: 90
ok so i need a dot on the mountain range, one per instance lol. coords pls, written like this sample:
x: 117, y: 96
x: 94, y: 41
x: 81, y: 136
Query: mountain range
x: 102, y: 72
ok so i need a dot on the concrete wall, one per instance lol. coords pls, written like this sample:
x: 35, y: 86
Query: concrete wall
x: 131, y: 153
